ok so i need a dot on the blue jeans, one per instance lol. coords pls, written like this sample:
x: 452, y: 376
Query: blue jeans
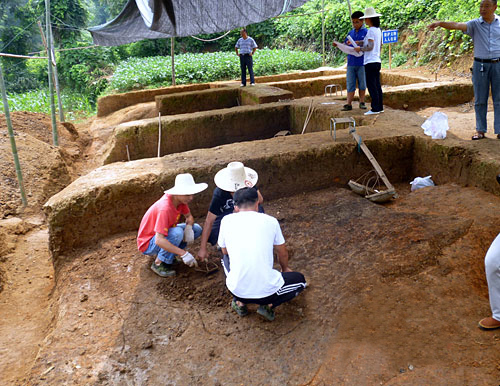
x: 484, y: 75
x: 175, y: 236
x: 353, y: 73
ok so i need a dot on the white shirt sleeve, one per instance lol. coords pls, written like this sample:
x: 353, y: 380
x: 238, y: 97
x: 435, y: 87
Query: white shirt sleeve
x: 278, y: 236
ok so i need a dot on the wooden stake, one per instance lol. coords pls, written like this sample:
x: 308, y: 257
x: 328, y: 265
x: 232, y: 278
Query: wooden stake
x: 173, y: 61
x: 308, y: 116
x: 159, y: 133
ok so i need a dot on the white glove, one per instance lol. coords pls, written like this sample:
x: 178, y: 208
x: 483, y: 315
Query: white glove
x: 188, y: 234
x: 189, y: 260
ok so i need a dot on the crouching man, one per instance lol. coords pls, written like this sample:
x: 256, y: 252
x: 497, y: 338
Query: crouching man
x: 247, y: 239
x: 160, y: 234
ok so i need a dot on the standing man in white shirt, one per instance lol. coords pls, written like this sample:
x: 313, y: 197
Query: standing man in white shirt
x: 247, y: 47
x: 248, y: 239
x: 485, y: 33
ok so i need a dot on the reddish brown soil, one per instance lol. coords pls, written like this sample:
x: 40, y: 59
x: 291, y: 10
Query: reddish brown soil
x: 394, y: 298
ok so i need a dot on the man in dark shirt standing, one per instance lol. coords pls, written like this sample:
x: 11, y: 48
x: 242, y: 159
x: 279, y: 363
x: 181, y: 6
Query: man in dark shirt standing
x: 228, y: 180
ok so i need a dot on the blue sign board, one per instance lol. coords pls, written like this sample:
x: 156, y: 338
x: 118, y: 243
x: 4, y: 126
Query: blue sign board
x: 390, y: 36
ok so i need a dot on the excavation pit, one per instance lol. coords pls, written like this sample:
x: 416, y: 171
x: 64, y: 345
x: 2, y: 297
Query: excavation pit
x: 395, y: 290
x: 389, y: 286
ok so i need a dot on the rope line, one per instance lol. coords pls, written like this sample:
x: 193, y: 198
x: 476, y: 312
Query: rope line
x: 211, y: 40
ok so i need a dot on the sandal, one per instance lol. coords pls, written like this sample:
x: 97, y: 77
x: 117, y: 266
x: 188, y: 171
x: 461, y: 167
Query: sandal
x: 478, y: 135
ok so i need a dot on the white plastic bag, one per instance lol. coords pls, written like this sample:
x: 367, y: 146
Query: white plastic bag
x: 436, y: 126
x: 421, y: 182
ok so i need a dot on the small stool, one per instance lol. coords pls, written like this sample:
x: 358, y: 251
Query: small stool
x: 333, y: 125
x: 329, y: 89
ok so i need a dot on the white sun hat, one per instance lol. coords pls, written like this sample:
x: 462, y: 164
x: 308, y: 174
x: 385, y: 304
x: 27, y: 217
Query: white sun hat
x: 369, y: 13
x: 185, y: 185
x: 235, y: 176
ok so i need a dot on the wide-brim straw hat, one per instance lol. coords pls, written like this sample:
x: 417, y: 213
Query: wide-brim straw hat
x: 369, y: 13
x: 185, y: 185
x: 235, y: 176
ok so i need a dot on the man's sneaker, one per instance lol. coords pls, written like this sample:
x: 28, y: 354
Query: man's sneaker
x: 362, y: 105
x: 371, y: 112
x: 240, y: 310
x: 252, y: 84
x: 163, y: 270
x: 267, y: 312
x: 242, y: 85
x: 346, y: 108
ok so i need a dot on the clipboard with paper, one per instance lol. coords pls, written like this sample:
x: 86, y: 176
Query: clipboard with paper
x: 348, y: 49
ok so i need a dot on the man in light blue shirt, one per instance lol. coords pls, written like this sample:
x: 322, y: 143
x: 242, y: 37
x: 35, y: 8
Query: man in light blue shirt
x: 485, y: 33
x: 247, y: 47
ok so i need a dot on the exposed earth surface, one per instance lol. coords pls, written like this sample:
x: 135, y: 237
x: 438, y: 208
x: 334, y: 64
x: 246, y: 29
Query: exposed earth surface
x: 395, y: 290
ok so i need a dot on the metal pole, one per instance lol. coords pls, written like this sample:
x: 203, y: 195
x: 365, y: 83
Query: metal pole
x: 12, y: 139
x: 56, y: 78
x: 173, y: 61
x: 51, y: 86
x: 323, y: 29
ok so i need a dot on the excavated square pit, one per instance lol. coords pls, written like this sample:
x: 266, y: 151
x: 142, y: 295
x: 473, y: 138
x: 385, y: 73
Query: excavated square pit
x: 389, y: 286
x: 395, y: 290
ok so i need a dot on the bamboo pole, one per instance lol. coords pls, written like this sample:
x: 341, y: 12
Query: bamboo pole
x: 323, y: 30
x: 51, y: 86
x: 173, y: 61
x: 12, y: 139
x: 22, y: 56
x: 56, y: 78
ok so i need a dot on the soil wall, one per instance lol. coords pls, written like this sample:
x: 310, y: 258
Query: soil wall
x: 113, y: 198
x: 195, y: 131
x: 393, y: 79
x: 111, y: 103
x: 439, y: 94
x: 455, y: 164
x: 310, y: 86
x: 201, y: 100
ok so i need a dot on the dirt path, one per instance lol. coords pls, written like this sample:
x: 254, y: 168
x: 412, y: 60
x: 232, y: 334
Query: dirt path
x: 25, y: 303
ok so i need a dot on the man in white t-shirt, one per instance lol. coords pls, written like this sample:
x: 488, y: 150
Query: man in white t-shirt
x: 248, y: 239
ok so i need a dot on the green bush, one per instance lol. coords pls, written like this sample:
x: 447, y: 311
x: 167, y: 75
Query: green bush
x: 137, y: 73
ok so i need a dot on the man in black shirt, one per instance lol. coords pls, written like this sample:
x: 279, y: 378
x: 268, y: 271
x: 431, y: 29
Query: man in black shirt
x: 228, y: 181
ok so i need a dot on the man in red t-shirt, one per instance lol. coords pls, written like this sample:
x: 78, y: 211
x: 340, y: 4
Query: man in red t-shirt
x: 160, y: 234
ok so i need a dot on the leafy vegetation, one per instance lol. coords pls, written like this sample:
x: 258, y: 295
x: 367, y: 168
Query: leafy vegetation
x: 192, y: 68
x: 75, y: 104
